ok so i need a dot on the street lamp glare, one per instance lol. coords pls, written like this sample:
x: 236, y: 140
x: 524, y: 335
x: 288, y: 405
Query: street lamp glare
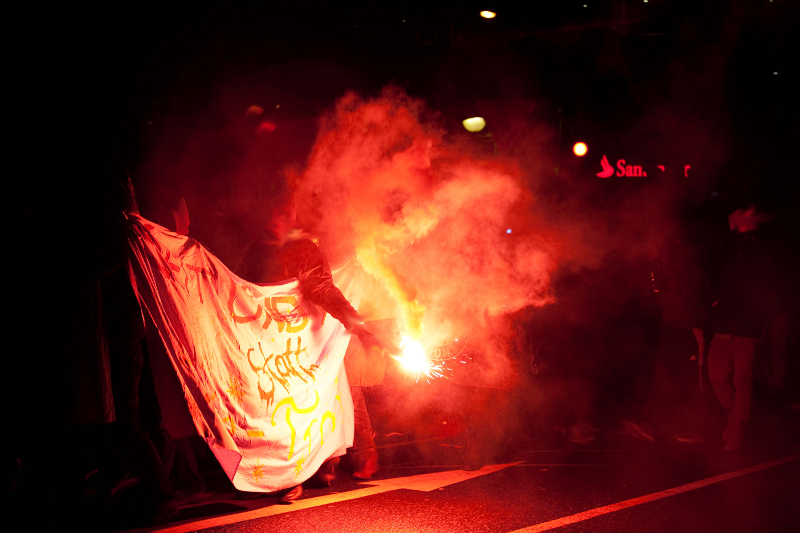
x: 474, y: 124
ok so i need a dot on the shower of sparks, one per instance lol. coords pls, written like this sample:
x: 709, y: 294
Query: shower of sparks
x: 415, y: 360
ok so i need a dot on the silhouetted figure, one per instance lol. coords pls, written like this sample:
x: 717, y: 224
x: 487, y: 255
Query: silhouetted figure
x: 281, y: 254
x: 168, y: 209
x: 136, y: 405
x: 138, y: 414
x: 744, y: 307
x: 682, y: 289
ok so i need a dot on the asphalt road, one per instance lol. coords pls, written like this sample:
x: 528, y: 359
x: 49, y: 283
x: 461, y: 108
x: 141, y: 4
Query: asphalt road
x: 538, y: 490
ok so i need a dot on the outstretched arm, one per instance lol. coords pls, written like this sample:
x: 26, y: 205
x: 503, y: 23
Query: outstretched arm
x: 316, y: 284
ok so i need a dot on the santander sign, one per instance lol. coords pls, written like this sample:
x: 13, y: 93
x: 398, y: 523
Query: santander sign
x: 623, y: 169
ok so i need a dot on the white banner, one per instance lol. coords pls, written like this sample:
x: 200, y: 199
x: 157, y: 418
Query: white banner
x: 261, y: 369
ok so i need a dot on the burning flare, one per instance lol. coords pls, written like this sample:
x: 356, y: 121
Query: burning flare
x: 415, y: 360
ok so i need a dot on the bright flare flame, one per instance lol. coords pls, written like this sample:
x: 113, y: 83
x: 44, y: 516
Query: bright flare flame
x: 580, y: 149
x: 415, y: 360
x: 488, y: 14
x: 413, y: 357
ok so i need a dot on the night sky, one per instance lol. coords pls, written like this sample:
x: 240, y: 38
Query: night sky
x: 709, y: 83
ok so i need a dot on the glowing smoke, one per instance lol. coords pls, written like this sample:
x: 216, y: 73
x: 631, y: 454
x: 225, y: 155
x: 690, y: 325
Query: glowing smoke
x: 427, y: 218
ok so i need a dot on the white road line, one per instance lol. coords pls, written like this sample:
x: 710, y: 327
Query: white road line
x: 461, y: 465
x: 276, y: 509
x: 573, y: 452
x: 599, y: 511
x: 422, y: 482
x: 427, y: 482
x: 583, y: 464
x: 524, y: 464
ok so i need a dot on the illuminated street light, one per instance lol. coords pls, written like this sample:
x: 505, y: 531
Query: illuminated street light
x: 580, y: 149
x: 488, y: 14
x: 474, y: 124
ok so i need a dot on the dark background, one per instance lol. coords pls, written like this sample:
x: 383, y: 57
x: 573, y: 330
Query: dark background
x: 96, y: 92
x: 102, y: 83
x: 101, y: 89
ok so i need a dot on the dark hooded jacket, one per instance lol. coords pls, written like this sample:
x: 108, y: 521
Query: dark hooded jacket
x: 267, y: 262
x: 746, y: 297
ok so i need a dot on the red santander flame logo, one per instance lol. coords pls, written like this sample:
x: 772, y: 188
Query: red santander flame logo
x: 608, y: 170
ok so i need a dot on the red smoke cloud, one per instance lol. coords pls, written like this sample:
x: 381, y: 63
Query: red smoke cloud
x: 427, y: 218
x: 419, y: 207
